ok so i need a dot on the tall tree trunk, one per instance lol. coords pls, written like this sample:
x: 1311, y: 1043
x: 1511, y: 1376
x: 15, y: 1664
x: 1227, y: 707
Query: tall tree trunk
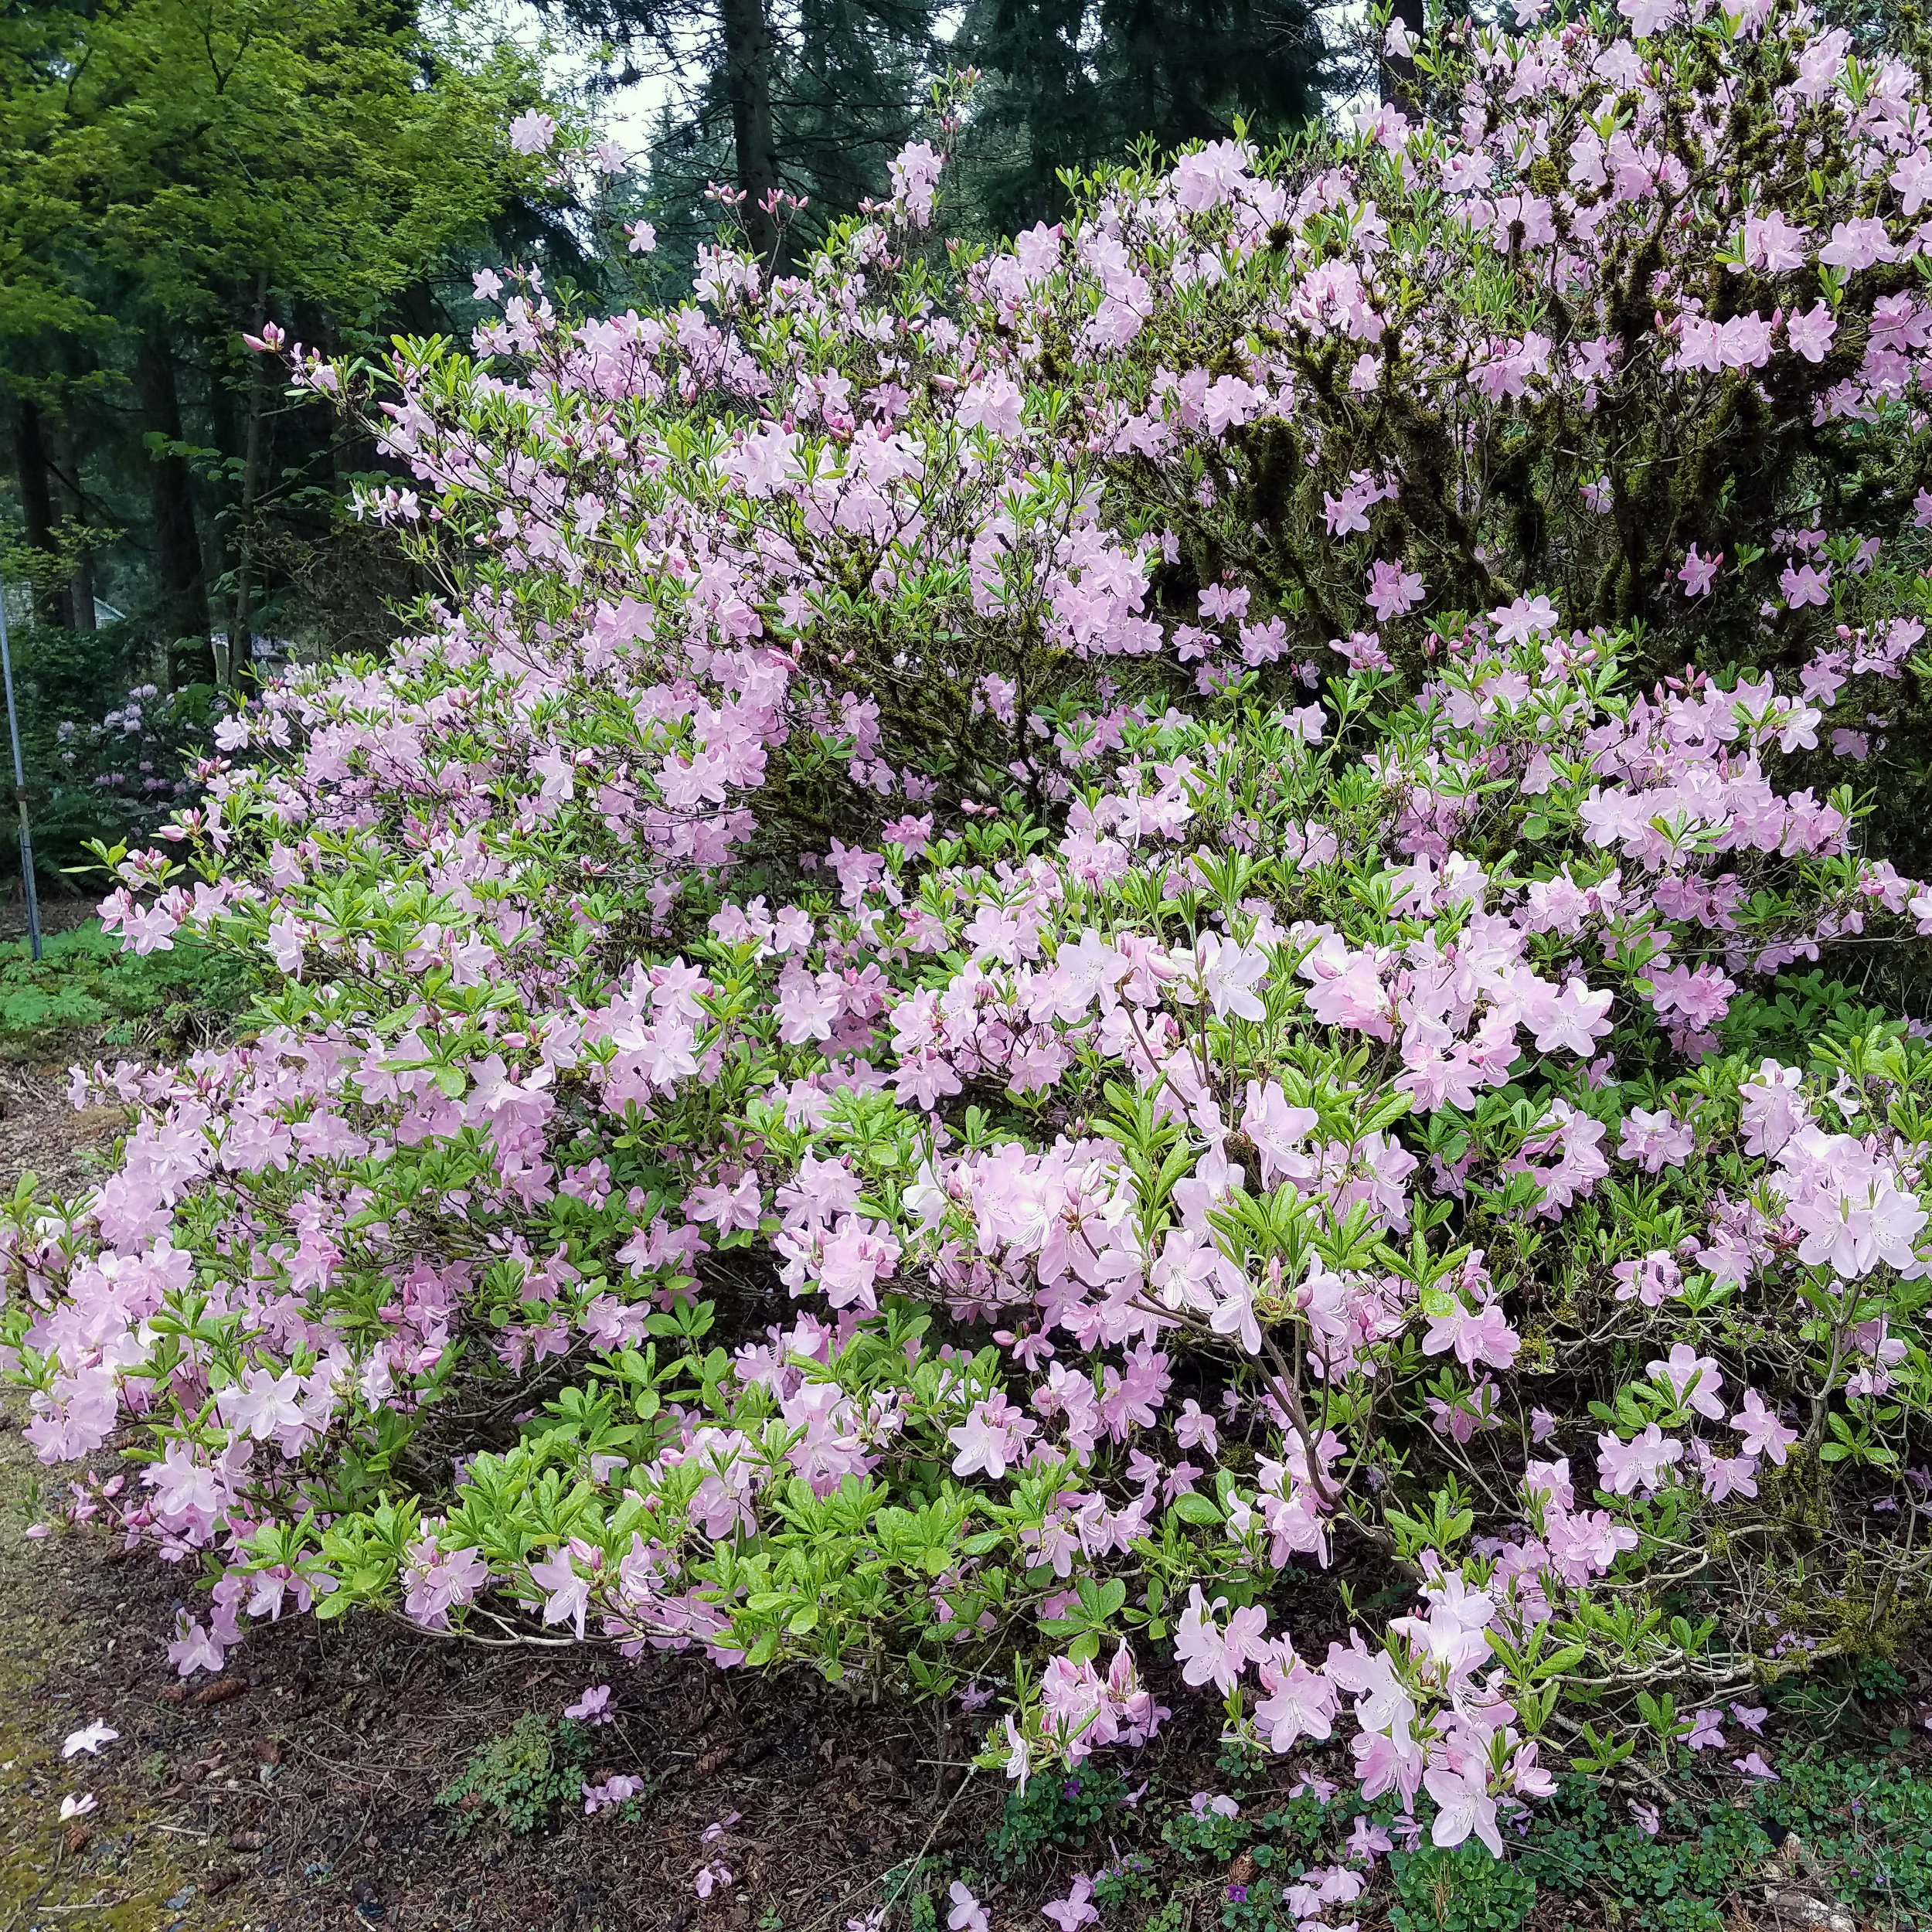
x: 184, y: 593
x: 748, y: 39
x: 225, y: 432
x: 241, y: 632
x: 36, y: 498
x: 1399, y: 71
x: 65, y: 463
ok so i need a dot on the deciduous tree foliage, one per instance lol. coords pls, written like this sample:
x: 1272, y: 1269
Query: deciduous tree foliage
x: 170, y: 172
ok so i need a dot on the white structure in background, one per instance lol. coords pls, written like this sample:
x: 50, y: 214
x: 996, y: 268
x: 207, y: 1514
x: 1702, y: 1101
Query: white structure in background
x: 19, y: 608
x: 269, y: 651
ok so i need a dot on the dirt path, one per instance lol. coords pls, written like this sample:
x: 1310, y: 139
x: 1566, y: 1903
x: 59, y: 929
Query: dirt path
x: 72, y: 1652
x: 137, y: 1861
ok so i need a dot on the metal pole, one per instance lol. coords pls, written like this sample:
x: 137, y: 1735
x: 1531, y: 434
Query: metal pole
x: 20, y: 785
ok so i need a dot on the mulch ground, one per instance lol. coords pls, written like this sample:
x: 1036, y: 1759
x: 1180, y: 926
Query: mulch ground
x: 60, y: 913
x: 41, y: 1133
x: 298, y: 1788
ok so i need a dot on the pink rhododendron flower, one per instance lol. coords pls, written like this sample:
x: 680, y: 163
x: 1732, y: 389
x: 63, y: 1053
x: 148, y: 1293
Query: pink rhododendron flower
x: 967, y: 1914
x: 593, y: 1707
x: 532, y: 131
x: 1075, y: 1909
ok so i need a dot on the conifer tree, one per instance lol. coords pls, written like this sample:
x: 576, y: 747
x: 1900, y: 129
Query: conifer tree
x: 1072, y: 83
x: 810, y: 96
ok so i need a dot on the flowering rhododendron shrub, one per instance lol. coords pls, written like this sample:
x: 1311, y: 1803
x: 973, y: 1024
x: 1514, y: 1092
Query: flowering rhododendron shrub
x: 851, y: 1083
x: 122, y: 778
x: 1575, y: 344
